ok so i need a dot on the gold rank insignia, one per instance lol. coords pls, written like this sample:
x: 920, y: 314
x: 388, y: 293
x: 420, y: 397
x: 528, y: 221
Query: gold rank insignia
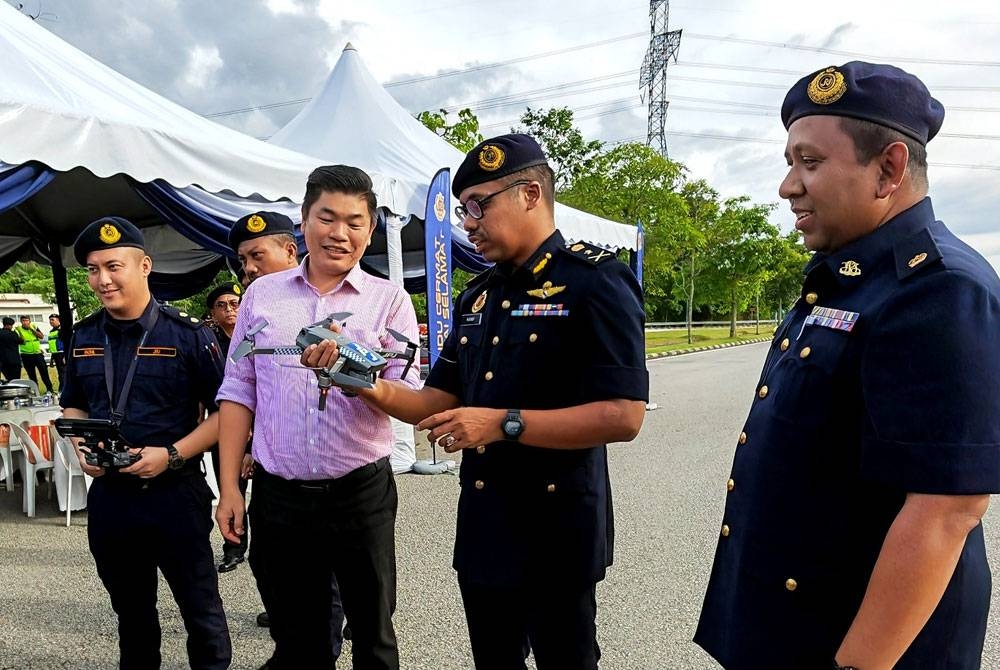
x: 576, y: 247
x: 237, y: 289
x: 917, y: 260
x: 827, y: 87
x: 491, y: 157
x: 850, y: 269
x: 541, y: 264
x: 546, y: 291
x: 480, y: 302
x: 255, y: 224
x: 109, y: 234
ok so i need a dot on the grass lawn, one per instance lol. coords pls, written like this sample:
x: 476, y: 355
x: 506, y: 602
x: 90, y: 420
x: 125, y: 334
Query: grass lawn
x: 658, y: 341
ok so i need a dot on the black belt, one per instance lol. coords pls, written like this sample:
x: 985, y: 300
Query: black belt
x: 319, y: 485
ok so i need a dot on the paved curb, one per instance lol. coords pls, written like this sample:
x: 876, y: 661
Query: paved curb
x: 694, y: 350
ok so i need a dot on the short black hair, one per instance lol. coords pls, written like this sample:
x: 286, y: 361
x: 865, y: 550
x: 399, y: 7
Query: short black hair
x: 53, y: 316
x: 871, y: 138
x: 339, y: 179
x: 25, y: 316
x: 7, y: 321
x: 544, y: 175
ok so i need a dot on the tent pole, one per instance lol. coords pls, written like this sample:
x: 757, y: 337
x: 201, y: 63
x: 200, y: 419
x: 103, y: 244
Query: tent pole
x: 62, y: 294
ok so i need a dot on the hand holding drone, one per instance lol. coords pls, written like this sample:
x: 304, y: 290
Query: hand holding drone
x: 356, y: 366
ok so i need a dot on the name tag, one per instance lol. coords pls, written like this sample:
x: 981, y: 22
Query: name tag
x: 471, y: 319
x: 827, y: 317
x: 158, y: 352
x: 88, y: 352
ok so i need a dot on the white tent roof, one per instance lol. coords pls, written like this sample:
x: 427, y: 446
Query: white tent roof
x: 353, y: 120
x: 62, y: 108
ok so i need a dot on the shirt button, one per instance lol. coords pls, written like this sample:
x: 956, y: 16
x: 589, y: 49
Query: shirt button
x: 763, y: 391
x: 312, y: 411
x: 791, y: 584
x: 496, y: 340
x: 314, y: 470
x: 464, y: 340
x: 743, y: 438
x: 805, y: 352
x: 505, y: 304
x: 811, y: 298
x: 312, y: 441
x: 725, y: 530
x: 730, y: 485
x: 480, y: 484
x: 551, y: 488
x: 481, y: 449
x: 784, y: 344
x: 533, y: 337
x: 488, y: 376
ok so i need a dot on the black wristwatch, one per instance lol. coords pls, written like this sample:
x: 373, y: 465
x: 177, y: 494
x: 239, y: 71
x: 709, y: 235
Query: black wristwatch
x: 174, y: 460
x: 513, y: 425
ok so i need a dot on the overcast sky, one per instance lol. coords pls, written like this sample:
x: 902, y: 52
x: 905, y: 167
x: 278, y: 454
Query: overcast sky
x: 735, y: 62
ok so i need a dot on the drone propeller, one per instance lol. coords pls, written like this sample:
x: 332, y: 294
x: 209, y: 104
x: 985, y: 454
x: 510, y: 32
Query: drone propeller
x: 246, y: 347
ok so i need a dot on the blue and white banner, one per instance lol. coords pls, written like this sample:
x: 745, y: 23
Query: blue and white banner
x: 635, y: 257
x: 437, y: 256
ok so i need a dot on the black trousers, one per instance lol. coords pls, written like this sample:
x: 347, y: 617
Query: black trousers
x: 11, y: 371
x: 135, y: 529
x: 36, y: 363
x: 304, y: 533
x: 59, y: 363
x: 556, y: 622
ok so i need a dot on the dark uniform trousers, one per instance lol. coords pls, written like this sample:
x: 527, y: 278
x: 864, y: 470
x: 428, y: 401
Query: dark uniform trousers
x: 304, y: 533
x: 137, y: 526
x: 555, y: 621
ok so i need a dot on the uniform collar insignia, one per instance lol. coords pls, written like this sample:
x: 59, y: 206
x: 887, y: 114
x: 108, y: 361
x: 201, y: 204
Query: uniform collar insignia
x: 850, y: 269
x: 917, y: 260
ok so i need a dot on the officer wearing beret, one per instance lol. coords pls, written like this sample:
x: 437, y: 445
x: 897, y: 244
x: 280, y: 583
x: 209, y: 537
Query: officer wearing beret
x: 264, y: 240
x: 544, y: 365
x: 152, y: 370
x: 851, y: 535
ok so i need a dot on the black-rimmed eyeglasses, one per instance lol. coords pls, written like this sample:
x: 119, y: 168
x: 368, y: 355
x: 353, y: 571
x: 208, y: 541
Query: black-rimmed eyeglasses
x: 474, y: 206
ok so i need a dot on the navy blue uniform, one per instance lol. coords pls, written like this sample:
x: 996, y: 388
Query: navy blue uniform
x: 564, y: 329
x: 138, y: 525
x: 884, y: 379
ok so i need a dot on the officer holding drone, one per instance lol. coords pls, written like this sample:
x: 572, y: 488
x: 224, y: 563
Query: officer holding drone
x: 150, y: 372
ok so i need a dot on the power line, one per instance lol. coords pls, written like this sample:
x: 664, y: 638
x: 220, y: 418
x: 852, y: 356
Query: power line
x: 837, y: 52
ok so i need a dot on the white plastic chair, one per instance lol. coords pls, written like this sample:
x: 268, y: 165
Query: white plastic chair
x: 33, y: 462
x: 68, y: 459
x: 25, y: 382
x: 17, y: 416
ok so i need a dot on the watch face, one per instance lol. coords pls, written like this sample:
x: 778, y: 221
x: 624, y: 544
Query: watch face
x: 512, y: 428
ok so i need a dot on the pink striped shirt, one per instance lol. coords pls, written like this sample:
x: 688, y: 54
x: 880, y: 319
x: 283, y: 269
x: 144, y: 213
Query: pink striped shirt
x: 292, y: 438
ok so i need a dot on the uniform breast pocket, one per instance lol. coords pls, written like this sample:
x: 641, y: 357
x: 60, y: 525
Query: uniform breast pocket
x: 538, y: 339
x: 801, y: 386
x: 470, y: 352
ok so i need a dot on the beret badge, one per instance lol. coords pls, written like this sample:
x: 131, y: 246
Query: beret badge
x: 256, y: 224
x: 237, y: 289
x: 491, y: 157
x: 827, y: 87
x: 109, y: 234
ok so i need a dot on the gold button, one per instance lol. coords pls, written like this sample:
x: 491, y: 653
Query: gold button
x: 464, y: 340
x: 743, y: 438
x: 763, y: 391
x: 784, y: 344
x: 791, y: 584
x: 488, y: 376
x: 730, y: 485
x: 805, y: 352
x: 551, y: 488
x: 533, y: 337
x: 481, y: 449
x: 480, y: 484
x: 496, y: 340
x: 811, y: 298
x: 505, y: 304
x: 725, y: 530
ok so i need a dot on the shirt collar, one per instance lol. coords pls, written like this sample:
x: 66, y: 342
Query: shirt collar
x: 355, y: 277
x: 848, y: 266
x: 554, y: 241
x: 144, y: 321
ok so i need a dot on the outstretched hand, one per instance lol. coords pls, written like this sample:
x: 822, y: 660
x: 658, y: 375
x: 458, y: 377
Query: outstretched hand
x: 464, y: 427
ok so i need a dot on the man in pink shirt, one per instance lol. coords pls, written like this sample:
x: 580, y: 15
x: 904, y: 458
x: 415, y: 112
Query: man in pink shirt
x: 324, y: 498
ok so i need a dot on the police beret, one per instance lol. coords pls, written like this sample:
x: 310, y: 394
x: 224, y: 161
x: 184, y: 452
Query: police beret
x: 223, y: 289
x: 882, y: 94
x: 259, y: 224
x: 497, y: 157
x: 109, y: 232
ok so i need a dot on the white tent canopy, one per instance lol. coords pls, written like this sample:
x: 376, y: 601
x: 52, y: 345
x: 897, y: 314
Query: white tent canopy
x: 353, y: 120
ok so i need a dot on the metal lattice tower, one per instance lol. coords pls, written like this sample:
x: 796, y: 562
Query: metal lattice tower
x: 663, y: 45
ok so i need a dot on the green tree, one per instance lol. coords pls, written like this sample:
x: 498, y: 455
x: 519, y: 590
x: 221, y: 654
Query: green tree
x: 693, y: 239
x: 463, y: 134
x: 30, y: 277
x: 785, y: 285
x: 569, y: 154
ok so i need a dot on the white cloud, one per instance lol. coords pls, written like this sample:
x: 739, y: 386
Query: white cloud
x: 204, y: 62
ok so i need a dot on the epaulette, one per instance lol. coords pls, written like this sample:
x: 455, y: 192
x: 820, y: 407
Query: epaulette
x: 915, y: 253
x: 588, y: 253
x: 191, y: 322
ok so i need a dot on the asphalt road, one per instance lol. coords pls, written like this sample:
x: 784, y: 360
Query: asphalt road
x: 669, y: 490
